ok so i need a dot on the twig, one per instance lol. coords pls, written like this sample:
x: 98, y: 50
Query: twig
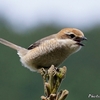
x: 52, y: 79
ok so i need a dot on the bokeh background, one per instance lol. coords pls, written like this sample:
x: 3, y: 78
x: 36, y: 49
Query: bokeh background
x: 25, y: 21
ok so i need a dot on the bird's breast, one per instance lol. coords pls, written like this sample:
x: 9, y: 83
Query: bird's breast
x: 47, y: 54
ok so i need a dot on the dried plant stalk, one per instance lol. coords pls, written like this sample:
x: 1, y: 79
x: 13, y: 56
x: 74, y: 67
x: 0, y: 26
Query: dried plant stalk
x: 52, y: 79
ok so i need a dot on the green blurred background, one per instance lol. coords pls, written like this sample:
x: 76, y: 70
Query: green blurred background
x: 18, y: 83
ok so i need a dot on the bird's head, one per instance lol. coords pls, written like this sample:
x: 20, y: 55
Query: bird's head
x: 72, y: 38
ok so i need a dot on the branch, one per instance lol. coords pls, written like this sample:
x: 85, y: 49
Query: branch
x: 52, y: 79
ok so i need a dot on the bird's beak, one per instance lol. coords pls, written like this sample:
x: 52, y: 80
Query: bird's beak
x: 79, y: 39
x: 84, y: 38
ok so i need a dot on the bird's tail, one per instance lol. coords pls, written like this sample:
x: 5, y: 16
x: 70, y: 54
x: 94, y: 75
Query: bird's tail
x: 9, y: 44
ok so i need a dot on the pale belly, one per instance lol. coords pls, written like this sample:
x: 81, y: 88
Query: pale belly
x: 55, y: 57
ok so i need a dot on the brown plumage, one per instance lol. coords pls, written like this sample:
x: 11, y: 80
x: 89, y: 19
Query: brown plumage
x: 51, y: 50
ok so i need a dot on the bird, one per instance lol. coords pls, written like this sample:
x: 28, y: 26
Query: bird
x: 50, y: 50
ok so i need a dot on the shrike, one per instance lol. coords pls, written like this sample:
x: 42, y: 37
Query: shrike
x: 50, y: 50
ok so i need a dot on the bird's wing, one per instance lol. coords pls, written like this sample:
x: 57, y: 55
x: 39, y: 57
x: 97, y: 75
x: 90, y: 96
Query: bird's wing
x: 39, y: 42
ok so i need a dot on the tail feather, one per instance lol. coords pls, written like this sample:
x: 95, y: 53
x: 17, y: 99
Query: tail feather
x: 9, y: 44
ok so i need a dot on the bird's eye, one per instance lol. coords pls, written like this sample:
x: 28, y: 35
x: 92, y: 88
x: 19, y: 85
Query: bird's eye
x: 71, y: 35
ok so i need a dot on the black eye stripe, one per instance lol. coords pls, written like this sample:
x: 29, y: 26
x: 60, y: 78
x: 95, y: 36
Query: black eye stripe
x: 71, y: 35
